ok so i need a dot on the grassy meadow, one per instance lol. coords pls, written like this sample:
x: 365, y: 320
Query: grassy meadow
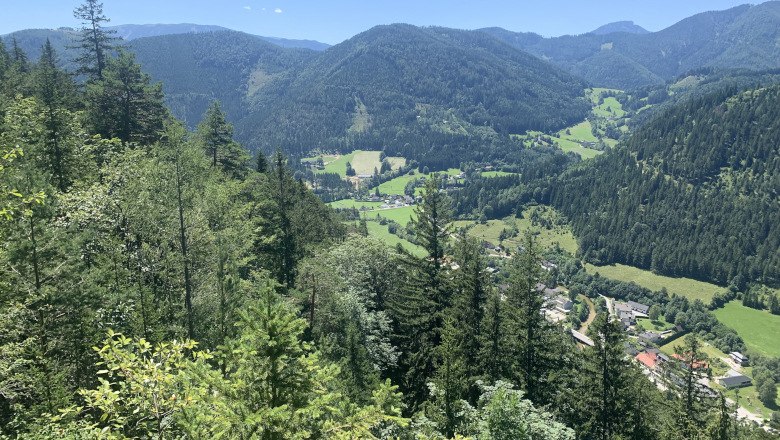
x: 758, y: 328
x: 689, y: 288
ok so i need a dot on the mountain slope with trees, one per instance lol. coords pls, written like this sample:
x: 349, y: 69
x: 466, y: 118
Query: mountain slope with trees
x: 740, y: 37
x: 426, y: 87
x: 694, y: 192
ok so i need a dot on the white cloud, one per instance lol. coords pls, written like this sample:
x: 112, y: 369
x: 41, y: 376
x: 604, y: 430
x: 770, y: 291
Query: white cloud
x: 278, y: 10
x: 248, y: 8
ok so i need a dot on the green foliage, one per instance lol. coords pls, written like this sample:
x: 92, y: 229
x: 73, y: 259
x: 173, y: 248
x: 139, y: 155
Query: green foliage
x: 95, y: 42
x: 123, y: 102
x: 215, y: 135
x: 679, y: 159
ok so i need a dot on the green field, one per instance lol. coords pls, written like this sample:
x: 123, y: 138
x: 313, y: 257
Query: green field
x: 568, y: 145
x: 381, y: 233
x: 547, y: 238
x: 351, y: 203
x: 363, y: 162
x: 660, y: 325
x: 758, y: 328
x: 713, y: 354
x: 397, y: 185
x: 579, y: 132
x: 399, y: 215
x: 691, y: 289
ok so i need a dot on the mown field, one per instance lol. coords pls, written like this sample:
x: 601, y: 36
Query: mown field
x: 397, y: 185
x: 758, y: 328
x: 401, y: 215
x: 691, y: 289
x: 491, y: 230
x: 351, y: 203
x: 392, y: 240
x: 362, y: 161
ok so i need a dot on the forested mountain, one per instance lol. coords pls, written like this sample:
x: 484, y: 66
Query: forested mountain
x: 744, y: 36
x: 694, y: 192
x: 425, y: 87
x: 229, y: 66
x: 130, y: 32
x: 620, y: 26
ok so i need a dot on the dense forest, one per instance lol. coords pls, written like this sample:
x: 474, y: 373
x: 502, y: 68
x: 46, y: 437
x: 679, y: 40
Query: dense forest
x: 693, y: 192
x: 159, y: 282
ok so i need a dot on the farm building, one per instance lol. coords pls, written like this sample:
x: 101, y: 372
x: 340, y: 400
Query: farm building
x: 739, y: 358
x: 732, y: 379
x: 638, y: 307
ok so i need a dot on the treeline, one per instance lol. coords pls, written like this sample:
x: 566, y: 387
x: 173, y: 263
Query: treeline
x: 692, y: 193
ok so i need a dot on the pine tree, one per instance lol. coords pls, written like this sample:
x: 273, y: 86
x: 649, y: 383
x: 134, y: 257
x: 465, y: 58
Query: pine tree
x: 261, y: 162
x: 215, y: 135
x: 55, y: 91
x: 95, y: 43
x: 608, y: 381
x: 423, y: 300
x: 534, y: 336
x: 124, y: 104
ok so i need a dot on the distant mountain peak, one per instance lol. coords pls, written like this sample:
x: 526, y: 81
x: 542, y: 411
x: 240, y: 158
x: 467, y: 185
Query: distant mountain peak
x: 620, y: 26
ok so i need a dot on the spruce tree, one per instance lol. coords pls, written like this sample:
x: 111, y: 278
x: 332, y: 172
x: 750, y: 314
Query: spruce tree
x: 606, y: 382
x: 471, y: 287
x: 215, y: 135
x: 55, y: 92
x: 261, y: 162
x: 421, y: 303
x: 125, y: 104
x: 534, y: 337
x: 95, y: 42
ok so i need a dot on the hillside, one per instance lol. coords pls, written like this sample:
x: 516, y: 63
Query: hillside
x: 741, y: 37
x: 694, y: 192
x: 411, y: 89
x: 130, y: 32
x: 620, y: 26
x: 229, y: 66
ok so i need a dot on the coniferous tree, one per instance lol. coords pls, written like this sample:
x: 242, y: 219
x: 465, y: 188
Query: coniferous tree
x: 534, y: 337
x: 424, y: 298
x: 471, y: 289
x: 607, y: 381
x: 450, y: 381
x: 261, y: 162
x: 124, y: 103
x: 216, y: 137
x: 95, y: 42
x: 55, y: 91
x: 689, y: 368
x: 494, y: 342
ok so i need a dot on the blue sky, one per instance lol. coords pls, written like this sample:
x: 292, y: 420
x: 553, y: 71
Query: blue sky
x: 332, y: 21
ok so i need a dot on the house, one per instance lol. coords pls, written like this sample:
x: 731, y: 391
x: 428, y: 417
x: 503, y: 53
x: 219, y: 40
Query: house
x: 548, y: 266
x: 732, y: 379
x: 650, y: 337
x: 739, y: 358
x: 638, y: 307
x: 697, y: 365
x: 562, y: 303
x: 649, y: 359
